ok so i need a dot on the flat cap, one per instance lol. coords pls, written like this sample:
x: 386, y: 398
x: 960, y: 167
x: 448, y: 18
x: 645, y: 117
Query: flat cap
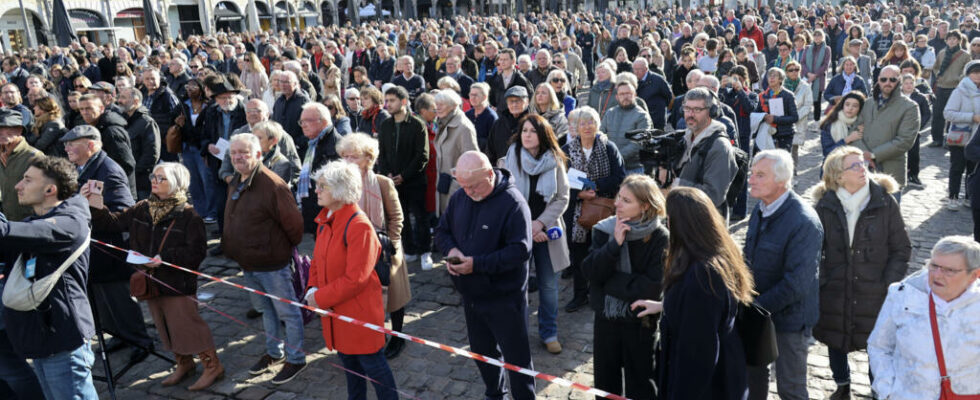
x: 516, y: 91
x: 82, y: 132
x: 103, y: 86
x: 11, y: 118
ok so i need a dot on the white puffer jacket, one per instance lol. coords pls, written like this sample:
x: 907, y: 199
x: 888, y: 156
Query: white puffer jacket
x: 901, y: 351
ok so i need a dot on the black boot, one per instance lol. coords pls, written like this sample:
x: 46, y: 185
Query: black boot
x: 843, y: 392
x: 394, y: 347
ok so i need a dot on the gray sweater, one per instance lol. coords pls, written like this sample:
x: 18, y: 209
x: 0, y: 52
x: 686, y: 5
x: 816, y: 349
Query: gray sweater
x: 719, y: 166
x: 617, y: 122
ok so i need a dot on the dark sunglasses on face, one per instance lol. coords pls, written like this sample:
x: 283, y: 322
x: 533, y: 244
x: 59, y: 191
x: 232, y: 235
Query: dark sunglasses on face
x: 557, y: 80
x: 884, y: 79
x: 793, y: 70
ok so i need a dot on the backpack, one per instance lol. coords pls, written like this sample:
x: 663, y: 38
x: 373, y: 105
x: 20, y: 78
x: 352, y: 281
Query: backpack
x: 383, y: 266
x: 742, y: 161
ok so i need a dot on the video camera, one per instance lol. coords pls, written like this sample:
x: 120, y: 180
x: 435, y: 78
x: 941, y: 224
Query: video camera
x: 659, y: 149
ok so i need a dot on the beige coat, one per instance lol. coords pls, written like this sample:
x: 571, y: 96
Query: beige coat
x: 400, y: 289
x: 952, y: 75
x: 456, y: 136
x: 552, y: 216
x: 889, y: 133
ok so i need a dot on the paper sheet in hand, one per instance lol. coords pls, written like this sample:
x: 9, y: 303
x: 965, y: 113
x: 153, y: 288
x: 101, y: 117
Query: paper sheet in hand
x: 776, y: 107
x: 133, y: 257
x: 573, y: 178
x: 222, y: 146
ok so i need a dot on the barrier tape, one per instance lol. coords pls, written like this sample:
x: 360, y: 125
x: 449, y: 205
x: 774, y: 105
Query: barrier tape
x: 381, y: 329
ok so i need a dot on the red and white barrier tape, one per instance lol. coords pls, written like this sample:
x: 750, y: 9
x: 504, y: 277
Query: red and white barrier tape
x: 449, y: 349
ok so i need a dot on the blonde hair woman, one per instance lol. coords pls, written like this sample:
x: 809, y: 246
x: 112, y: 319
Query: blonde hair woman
x: 254, y: 76
x: 545, y: 103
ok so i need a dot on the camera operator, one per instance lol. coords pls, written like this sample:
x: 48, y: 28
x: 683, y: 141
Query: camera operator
x: 711, y: 171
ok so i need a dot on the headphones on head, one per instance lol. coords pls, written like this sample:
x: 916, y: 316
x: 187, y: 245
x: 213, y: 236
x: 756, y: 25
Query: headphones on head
x: 715, y: 110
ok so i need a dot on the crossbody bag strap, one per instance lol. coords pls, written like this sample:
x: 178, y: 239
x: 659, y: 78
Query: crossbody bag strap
x: 167, y: 233
x: 935, y: 339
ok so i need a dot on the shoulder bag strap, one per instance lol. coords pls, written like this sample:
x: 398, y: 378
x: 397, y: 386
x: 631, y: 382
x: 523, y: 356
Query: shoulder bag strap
x: 348, y: 226
x: 164, y: 240
x: 935, y: 339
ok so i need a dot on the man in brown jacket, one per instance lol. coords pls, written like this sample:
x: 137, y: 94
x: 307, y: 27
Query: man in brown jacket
x: 262, y: 225
x: 15, y: 156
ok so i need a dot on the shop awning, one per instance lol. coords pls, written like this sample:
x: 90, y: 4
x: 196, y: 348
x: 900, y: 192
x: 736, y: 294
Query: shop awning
x: 130, y: 13
x: 84, y: 20
x: 225, y: 13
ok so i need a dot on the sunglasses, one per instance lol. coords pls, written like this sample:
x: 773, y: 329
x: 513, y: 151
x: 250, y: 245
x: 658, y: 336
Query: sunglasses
x: 793, y: 70
x: 884, y: 79
x: 557, y: 80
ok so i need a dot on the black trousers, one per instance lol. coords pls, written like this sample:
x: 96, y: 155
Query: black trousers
x: 816, y: 105
x: 623, y: 349
x: 416, y: 234
x: 500, y: 326
x: 938, y: 121
x: 958, y: 165
x: 913, y: 165
x: 577, y: 253
x: 310, y: 210
x: 976, y: 223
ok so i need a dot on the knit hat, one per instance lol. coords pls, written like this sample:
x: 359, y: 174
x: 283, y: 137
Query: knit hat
x: 972, y: 66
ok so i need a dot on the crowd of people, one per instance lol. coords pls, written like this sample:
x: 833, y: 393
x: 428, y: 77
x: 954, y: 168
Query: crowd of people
x: 501, y: 147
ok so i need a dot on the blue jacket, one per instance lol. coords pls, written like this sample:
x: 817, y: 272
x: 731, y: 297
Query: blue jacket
x: 64, y: 320
x: 783, y: 252
x: 116, y: 196
x: 655, y: 91
x: 483, y: 124
x: 836, y: 87
x: 786, y: 124
x: 496, y: 232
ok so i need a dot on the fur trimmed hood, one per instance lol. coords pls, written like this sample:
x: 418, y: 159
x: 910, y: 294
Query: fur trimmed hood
x: 889, y: 184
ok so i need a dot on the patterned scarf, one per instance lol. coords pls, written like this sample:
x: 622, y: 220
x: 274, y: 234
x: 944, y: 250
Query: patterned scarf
x: 595, y: 167
x: 791, y: 84
x: 161, y: 208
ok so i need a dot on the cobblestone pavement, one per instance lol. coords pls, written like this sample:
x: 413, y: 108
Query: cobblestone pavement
x: 434, y: 313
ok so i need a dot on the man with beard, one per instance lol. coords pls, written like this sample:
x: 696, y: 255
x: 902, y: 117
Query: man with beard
x: 221, y: 119
x: 626, y: 116
x: 115, y: 139
x: 144, y: 136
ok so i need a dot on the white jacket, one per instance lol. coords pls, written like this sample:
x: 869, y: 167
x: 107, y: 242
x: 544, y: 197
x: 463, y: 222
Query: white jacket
x: 901, y: 351
x: 963, y: 104
x: 804, y: 108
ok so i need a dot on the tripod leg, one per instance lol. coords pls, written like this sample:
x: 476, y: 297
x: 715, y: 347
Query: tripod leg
x: 109, y: 380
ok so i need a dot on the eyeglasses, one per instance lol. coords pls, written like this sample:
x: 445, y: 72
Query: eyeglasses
x: 886, y: 79
x: 793, y: 70
x: 856, y: 166
x: 194, y: 67
x: 157, y: 178
x: 693, y: 110
x: 944, y: 270
x: 303, y: 122
x: 558, y: 80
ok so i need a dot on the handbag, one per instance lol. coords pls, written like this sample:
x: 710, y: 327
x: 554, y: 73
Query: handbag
x: 946, y: 387
x: 595, y: 210
x: 957, y: 135
x: 174, y: 139
x: 140, y: 285
x: 383, y: 266
x: 21, y: 294
x: 755, y: 327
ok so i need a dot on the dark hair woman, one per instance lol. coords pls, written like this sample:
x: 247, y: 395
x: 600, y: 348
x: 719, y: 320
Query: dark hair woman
x: 190, y: 125
x: 48, y: 127
x: 705, y: 280
x: 837, y: 128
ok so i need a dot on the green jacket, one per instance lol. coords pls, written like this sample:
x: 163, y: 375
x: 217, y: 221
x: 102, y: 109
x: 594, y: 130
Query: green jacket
x: 889, y: 133
x: 11, y: 173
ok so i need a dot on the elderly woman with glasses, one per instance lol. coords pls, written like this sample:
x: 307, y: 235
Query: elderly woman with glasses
x: 559, y: 82
x: 926, y: 339
x: 166, y: 228
x: 342, y: 279
x: 866, y: 248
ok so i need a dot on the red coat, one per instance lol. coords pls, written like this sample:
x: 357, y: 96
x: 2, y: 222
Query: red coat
x: 346, y: 281
x: 754, y: 34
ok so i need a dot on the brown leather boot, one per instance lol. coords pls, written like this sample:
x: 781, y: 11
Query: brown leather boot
x: 213, y: 371
x: 185, y: 367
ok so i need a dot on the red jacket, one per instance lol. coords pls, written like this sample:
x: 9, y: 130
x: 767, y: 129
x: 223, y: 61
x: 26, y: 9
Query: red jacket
x: 345, y: 280
x: 755, y: 34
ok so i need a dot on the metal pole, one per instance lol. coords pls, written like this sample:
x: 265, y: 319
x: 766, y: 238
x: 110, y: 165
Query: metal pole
x: 27, y: 25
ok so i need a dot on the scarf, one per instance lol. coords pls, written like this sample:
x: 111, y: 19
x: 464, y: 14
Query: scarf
x: 948, y: 59
x: 595, y: 167
x: 853, y: 205
x: 848, y: 83
x: 161, y: 208
x: 543, y: 167
x: 839, y: 128
x: 615, y: 307
x: 372, y: 201
x: 790, y: 84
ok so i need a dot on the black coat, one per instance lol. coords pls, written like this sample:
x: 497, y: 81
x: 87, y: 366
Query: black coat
x: 854, y: 277
x: 144, y: 135
x: 64, y: 319
x: 108, y: 267
x: 177, y: 84
x: 47, y: 140
x: 657, y: 95
x: 503, y: 129
x: 116, y: 144
x: 498, y: 90
x: 371, y: 125
x: 700, y: 354
x: 406, y: 153
x: 164, y: 108
x: 326, y: 151
x: 646, y: 260
x: 286, y: 112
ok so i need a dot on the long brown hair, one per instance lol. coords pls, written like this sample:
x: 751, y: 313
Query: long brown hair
x: 698, y: 234
x: 51, y: 112
x: 546, y: 138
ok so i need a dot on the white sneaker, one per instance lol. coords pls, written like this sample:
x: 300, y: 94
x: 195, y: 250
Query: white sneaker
x: 953, y: 204
x: 426, y: 261
x: 411, y: 257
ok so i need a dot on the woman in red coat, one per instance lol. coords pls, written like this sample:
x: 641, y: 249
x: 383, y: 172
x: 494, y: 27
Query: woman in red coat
x: 346, y: 283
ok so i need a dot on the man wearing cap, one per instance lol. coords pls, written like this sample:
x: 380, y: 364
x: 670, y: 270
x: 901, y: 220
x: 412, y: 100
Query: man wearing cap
x: 161, y: 103
x: 107, y: 93
x: 108, y: 274
x: 507, y: 77
x: 507, y: 125
x: 221, y: 119
x: 144, y: 136
x: 115, y: 139
x: 15, y: 156
x: 10, y: 95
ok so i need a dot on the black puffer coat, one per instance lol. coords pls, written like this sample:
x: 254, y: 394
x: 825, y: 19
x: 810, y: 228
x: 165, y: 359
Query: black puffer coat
x: 854, y: 278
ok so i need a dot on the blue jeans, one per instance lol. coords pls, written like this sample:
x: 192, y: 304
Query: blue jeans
x: 17, y: 379
x: 67, y: 375
x: 279, y: 283
x: 374, y: 366
x: 200, y: 188
x: 547, y: 293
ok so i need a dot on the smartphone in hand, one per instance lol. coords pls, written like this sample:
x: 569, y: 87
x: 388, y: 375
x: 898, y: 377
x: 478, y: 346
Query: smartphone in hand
x: 454, y: 260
